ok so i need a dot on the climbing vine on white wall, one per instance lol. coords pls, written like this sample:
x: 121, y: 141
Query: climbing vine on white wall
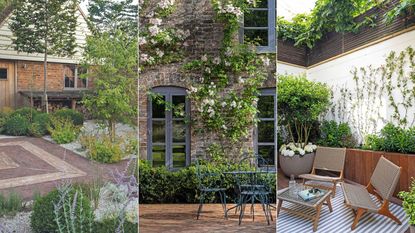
x: 378, y: 95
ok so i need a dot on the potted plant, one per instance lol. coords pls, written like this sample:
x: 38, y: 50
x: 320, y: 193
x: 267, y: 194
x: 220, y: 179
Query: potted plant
x: 300, y: 103
x: 408, y: 205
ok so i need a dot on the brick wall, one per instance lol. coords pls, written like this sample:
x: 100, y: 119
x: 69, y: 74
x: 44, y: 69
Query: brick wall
x: 206, y: 37
x: 30, y: 76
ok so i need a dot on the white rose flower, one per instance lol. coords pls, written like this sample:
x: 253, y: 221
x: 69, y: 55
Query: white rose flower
x: 154, y: 30
x: 208, y: 70
x: 223, y: 104
x: 290, y: 153
x: 233, y: 104
x: 155, y: 21
x: 301, y: 151
x: 216, y: 60
x: 204, y: 58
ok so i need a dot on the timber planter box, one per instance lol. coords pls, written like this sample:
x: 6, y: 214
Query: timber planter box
x: 360, y: 164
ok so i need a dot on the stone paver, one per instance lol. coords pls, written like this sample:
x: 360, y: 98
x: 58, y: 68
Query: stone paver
x: 170, y: 218
x: 34, y: 165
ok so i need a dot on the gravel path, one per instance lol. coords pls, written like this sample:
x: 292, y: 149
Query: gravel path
x: 20, y: 223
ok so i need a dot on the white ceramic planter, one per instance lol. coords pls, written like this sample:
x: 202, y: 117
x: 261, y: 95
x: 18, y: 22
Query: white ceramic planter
x: 296, y: 165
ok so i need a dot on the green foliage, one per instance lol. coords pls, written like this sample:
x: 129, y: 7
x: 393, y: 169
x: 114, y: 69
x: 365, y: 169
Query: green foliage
x: 112, y: 59
x: 45, y: 216
x: 102, y: 149
x: 408, y: 202
x: 30, y: 25
x: 402, y: 8
x: 63, y: 131
x: 300, y: 103
x: 11, y: 204
x: 40, y: 124
x: 327, y: 16
x: 110, y: 16
x: 393, y: 139
x: 26, y: 112
x: 17, y: 125
x: 111, y: 225
x: 3, y: 119
x: 76, y: 117
x: 335, y: 134
x: 159, y: 185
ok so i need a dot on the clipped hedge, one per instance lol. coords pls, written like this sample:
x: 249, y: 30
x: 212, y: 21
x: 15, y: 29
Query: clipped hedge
x: 76, y: 117
x: 16, y: 125
x: 159, y: 185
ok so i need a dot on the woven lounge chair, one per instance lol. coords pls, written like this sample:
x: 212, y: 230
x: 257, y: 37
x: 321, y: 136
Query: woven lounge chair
x: 382, y: 185
x: 328, y: 159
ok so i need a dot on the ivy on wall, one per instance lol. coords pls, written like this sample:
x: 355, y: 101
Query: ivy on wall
x: 378, y: 95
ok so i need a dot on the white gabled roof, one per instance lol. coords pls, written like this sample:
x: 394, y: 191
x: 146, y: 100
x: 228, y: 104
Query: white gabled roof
x: 7, y: 51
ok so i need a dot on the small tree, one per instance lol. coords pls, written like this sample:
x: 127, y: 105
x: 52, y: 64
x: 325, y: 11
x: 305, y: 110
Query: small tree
x: 44, y: 26
x: 300, y: 102
x: 112, y: 62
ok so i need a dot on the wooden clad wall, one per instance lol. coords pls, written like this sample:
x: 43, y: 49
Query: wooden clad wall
x: 333, y: 43
x: 287, y: 52
x: 7, y: 87
x: 360, y: 164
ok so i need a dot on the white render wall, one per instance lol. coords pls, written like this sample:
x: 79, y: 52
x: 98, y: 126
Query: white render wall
x: 7, y: 51
x: 337, y: 74
x: 284, y: 68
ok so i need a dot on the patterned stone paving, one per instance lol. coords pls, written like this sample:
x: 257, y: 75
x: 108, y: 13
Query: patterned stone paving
x: 34, y: 165
x: 63, y: 169
x: 6, y: 162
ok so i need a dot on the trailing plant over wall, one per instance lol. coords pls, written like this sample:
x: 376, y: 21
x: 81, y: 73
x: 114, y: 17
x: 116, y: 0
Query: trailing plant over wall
x: 327, y: 16
x: 224, y: 97
x: 378, y: 95
x: 159, y: 43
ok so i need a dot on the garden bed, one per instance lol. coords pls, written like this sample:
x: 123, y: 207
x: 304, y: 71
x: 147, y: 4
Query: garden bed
x: 360, y: 164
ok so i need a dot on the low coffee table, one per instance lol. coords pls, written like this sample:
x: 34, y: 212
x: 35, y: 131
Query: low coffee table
x: 316, y: 204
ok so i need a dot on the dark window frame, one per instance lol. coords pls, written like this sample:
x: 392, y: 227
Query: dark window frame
x: 76, y: 78
x: 7, y: 74
x: 272, y: 30
x: 168, y: 92
x: 267, y: 92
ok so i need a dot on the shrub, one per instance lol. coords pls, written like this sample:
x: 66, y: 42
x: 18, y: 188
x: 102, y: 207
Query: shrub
x: 43, y: 218
x: 408, y: 202
x: 3, y: 118
x: 392, y: 139
x: 40, y: 124
x: 63, y: 130
x: 10, y: 205
x: 300, y: 103
x: 16, y: 125
x: 76, y: 117
x: 26, y: 112
x: 111, y: 225
x: 104, y: 150
x: 159, y: 185
x: 335, y: 134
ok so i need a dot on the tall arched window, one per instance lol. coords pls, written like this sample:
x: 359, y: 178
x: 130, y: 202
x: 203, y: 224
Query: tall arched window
x: 168, y: 130
x: 265, y: 131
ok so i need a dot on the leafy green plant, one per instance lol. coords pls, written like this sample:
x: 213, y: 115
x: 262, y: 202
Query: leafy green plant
x: 393, y: 139
x: 26, y: 112
x: 103, y: 150
x: 17, y: 125
x: 3, y: 118
x: 62, y: 130
x: 51, y: 213
x: 11, y: 204
x: 408, y: 202
x: 300, y: 103
x: 76, y: 117
x: 39, y: 126
x: 335, y: 134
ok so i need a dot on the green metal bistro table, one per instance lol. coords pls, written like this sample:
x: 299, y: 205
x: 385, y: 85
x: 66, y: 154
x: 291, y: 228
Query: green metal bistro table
x: 256, y: 191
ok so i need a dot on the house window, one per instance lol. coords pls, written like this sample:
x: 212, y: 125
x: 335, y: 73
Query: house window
x: 3, y: 74
x: 73, y: 77
x: 259, y: 25
x: 168, y: 134
x: 265, y: 131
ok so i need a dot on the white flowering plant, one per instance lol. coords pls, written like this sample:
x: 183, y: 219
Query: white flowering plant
x: 300, y: 149
x: 159, y: 43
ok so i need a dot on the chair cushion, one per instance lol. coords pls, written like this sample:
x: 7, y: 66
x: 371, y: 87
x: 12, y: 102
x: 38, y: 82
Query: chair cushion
x: 319, y: 178
x: 358, y: 197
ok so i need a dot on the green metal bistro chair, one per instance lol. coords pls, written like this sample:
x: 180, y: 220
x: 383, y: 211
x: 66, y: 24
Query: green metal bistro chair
x: 253, y: 186
x: 209, y: 182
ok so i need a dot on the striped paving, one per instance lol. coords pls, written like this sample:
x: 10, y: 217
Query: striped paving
x: 340, y: 220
